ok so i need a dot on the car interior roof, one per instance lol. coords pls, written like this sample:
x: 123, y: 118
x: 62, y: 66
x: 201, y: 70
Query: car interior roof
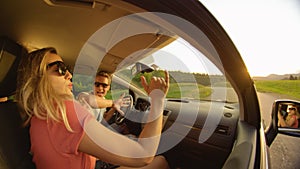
x: 74, y: 23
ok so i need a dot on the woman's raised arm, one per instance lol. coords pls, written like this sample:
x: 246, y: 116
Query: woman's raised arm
x: 115, y: 148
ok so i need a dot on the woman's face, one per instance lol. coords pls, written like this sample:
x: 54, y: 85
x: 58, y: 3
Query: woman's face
x: 292, y: 110
x: 60, y: 78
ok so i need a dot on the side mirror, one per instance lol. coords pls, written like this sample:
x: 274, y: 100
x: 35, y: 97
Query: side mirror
x: 285, y: 119
x: 288, y: 117
x: 140, y: 68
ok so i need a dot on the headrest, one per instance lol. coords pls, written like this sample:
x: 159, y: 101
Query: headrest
x: 10, y: 56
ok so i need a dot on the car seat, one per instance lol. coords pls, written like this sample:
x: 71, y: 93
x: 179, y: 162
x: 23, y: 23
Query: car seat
x: 14, y: 140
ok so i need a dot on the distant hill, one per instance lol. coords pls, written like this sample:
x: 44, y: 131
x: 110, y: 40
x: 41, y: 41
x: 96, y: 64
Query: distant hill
x: 276, y: 77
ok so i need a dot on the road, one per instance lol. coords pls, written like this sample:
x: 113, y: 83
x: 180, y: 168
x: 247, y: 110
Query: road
x: 285, y: 150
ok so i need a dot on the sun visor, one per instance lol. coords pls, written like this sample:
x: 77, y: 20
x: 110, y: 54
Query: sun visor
x: 121, y: 43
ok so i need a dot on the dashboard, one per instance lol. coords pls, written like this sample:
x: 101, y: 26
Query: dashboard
x: 200, y: 132
x: 203, y: 132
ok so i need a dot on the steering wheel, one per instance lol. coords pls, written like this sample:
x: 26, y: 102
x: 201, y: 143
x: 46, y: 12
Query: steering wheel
x: 129, y: 103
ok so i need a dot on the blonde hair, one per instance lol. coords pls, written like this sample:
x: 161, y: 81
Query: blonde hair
x: 297, y: 112
x: 35, y: 95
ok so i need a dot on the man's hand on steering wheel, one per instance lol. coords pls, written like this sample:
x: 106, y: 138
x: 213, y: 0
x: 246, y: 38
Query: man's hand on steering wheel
x: 122, y: 105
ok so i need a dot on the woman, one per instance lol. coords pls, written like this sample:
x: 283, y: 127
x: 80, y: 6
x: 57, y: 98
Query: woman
x: 291, y: 120
x: 64, y: 135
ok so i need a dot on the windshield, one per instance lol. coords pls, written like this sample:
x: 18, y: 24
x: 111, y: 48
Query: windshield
x: 192, y: 75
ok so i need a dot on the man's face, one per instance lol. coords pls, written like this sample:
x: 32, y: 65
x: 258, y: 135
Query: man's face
x: 101, y: 86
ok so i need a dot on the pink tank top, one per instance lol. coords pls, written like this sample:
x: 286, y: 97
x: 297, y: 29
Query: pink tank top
x: 295, y: 125
x: 54, y: 147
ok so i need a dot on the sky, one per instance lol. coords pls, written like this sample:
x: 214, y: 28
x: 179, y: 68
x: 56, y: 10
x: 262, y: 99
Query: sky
x: 265, y: 32
x: 184, y: 58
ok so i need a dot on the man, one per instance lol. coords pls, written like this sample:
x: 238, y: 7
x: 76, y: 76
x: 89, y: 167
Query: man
x: 99, y: 104
x: 97, y: 100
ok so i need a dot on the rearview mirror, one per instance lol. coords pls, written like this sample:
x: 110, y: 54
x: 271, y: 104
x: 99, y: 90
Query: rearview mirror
x: 140, y: 68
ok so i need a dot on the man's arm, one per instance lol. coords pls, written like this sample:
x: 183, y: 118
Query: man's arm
x: 109, y: 114
x: 98, y: 102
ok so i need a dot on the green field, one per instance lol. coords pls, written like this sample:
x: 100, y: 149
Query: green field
x: 188, y: 90
x: 286, y: 87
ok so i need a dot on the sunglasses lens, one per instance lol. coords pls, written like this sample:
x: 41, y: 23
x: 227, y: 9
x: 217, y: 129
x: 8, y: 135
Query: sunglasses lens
x: 62, y: 68
x: 97, y: 84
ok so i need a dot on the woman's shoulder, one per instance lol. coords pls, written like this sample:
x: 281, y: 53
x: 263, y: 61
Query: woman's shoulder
x: 75, y: 106
x: 75, y: 111
x: 71, y: 102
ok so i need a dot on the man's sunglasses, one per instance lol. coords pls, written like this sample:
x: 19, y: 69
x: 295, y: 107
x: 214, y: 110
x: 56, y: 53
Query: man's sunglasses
x: 61, y: 67
x: 104, y: 85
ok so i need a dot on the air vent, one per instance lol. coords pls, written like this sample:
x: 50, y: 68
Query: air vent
x: 178, y: 100
x: 229, y: 107
x: 166, y: 112
x: 222, y: 130
x: 72, y: 3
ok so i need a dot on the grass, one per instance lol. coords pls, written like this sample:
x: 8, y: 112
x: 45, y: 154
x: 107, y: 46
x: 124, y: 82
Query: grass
x: 286, y: 87
x: 188, y: 90
x: 176, y: 90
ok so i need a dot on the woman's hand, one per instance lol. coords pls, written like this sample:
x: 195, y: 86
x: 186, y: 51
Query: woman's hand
x: 156, y: 83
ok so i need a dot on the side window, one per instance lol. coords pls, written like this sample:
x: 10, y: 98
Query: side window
x: 82, y: 83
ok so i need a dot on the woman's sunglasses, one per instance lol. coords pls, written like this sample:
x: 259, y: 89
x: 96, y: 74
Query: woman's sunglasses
x: 61, y: 67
